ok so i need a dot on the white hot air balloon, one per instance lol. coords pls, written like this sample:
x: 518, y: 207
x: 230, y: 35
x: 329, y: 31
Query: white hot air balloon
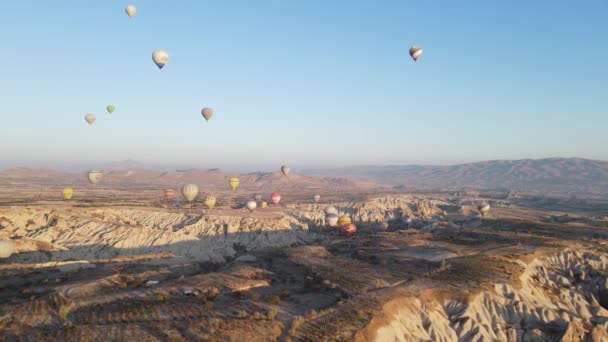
x: 131, y: 10
x: 316, y: 197
x: 415, y: 52
x: 483, y: 208
x: 90, y: 118
x: 6, y: 248
x: 190, y: 191
x: 331, y: 210
x: 94, y: 176
x: 251, y: 205
x: 160, y: 58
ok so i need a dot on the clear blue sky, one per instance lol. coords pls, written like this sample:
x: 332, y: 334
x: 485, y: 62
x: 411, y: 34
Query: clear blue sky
x: 308, y: 83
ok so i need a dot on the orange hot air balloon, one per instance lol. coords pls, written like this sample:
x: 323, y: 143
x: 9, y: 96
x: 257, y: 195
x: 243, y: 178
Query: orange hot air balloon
x: 169, y: 194
x: 275, y: 198
x: 349, y: 230
x: 344, y: 219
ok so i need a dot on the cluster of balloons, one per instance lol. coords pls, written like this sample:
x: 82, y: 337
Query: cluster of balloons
x: 91, y: 118
x: 347, y: 228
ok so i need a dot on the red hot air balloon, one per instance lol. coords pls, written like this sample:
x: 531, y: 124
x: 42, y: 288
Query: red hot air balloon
x: 275, y: 198
x: 349, y: 230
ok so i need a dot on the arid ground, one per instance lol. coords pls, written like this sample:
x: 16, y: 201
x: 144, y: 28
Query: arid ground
x: 121, y: 263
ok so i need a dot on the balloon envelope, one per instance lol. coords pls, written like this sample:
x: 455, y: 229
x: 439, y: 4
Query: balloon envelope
x: 257, y: 197
x: 90, y: 118
x: 316, y: 198
x: 275, y: 198
x: 131, y: 10
x: 415, y: 52
x: 6, y: 248
x: 331, y: 219
x: 207, y: 113
x: 331, y: 210
x: 94, y: 176
x: 233, y: 182
x: 285, y: 169
x: 264, y: 204
x: 210, y: 201
x: 344, y: 219
x: 483, y: 208
x: 169, y: 194
x: 349, y: 230
x: 190, y: 191
x: 160, y: 58
x: 251, y: 205
x: 67, y: 193
x: 110, y: 109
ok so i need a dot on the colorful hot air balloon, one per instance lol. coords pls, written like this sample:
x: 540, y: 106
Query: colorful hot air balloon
x: 160, y: 58
x: 210, y: 201
x: 67, y: 193
x: 349, y: 230
x: 331, y: 219
x: 110, y: 109
x: 275, y: 198
x: 415, y: 52
x: 344, y: 219
x: 131, y: 10
x: 90, y: 118
x: 264, y: 204
x: 207, y: 113
x: 190, y: 191
x: 316, y: 198
x: 251, y: 205
x: 257, y: 197
x: 169, y: 194
x: 331, y: 210
x: 94, y: 176
x: 6, y: 248
x: 285, y: 169
x: 233, y: 182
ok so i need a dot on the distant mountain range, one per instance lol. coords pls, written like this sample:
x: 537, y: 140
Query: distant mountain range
x: 565, y: 175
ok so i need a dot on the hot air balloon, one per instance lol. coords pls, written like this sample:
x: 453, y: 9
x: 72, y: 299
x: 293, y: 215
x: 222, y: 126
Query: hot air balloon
x: 6, y: 248
x: 160, y: 58
x: 233, y: 182
x: 90, y: 118
x: 344, y: 219
x: 169, y: 194
x: 110, y: 109
x: 331, y: 210
x: 285, y: 169
x: 264, y: 204
x: 275, y: 198
x: 257, y: 197
x: 382, y: 226
x: 190, y: 191
x: 415, y: 52
x: 251, y: 205
x: 483, y: 208
x: 316, y: 198
x: 349, y: 230
x: 210, y: 201
x: 94, y: 176
x: 207, y: 113
x: 67, y: 193
x: 331, y: 219
x: 131, y: 10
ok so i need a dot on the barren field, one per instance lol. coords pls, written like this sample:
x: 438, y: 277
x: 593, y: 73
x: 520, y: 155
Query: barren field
x: 126, y: 265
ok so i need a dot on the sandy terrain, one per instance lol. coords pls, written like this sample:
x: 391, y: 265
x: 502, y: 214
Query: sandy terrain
x: 440, y: 272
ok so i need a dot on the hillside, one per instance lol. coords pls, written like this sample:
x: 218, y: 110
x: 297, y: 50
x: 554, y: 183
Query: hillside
x: 572, y: 175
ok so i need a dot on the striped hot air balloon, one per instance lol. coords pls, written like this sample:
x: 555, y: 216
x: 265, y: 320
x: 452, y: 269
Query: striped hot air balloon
x: 210, y: 201
x: 190, y: 191
x: 349, y: 230
x: 415, y: 52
